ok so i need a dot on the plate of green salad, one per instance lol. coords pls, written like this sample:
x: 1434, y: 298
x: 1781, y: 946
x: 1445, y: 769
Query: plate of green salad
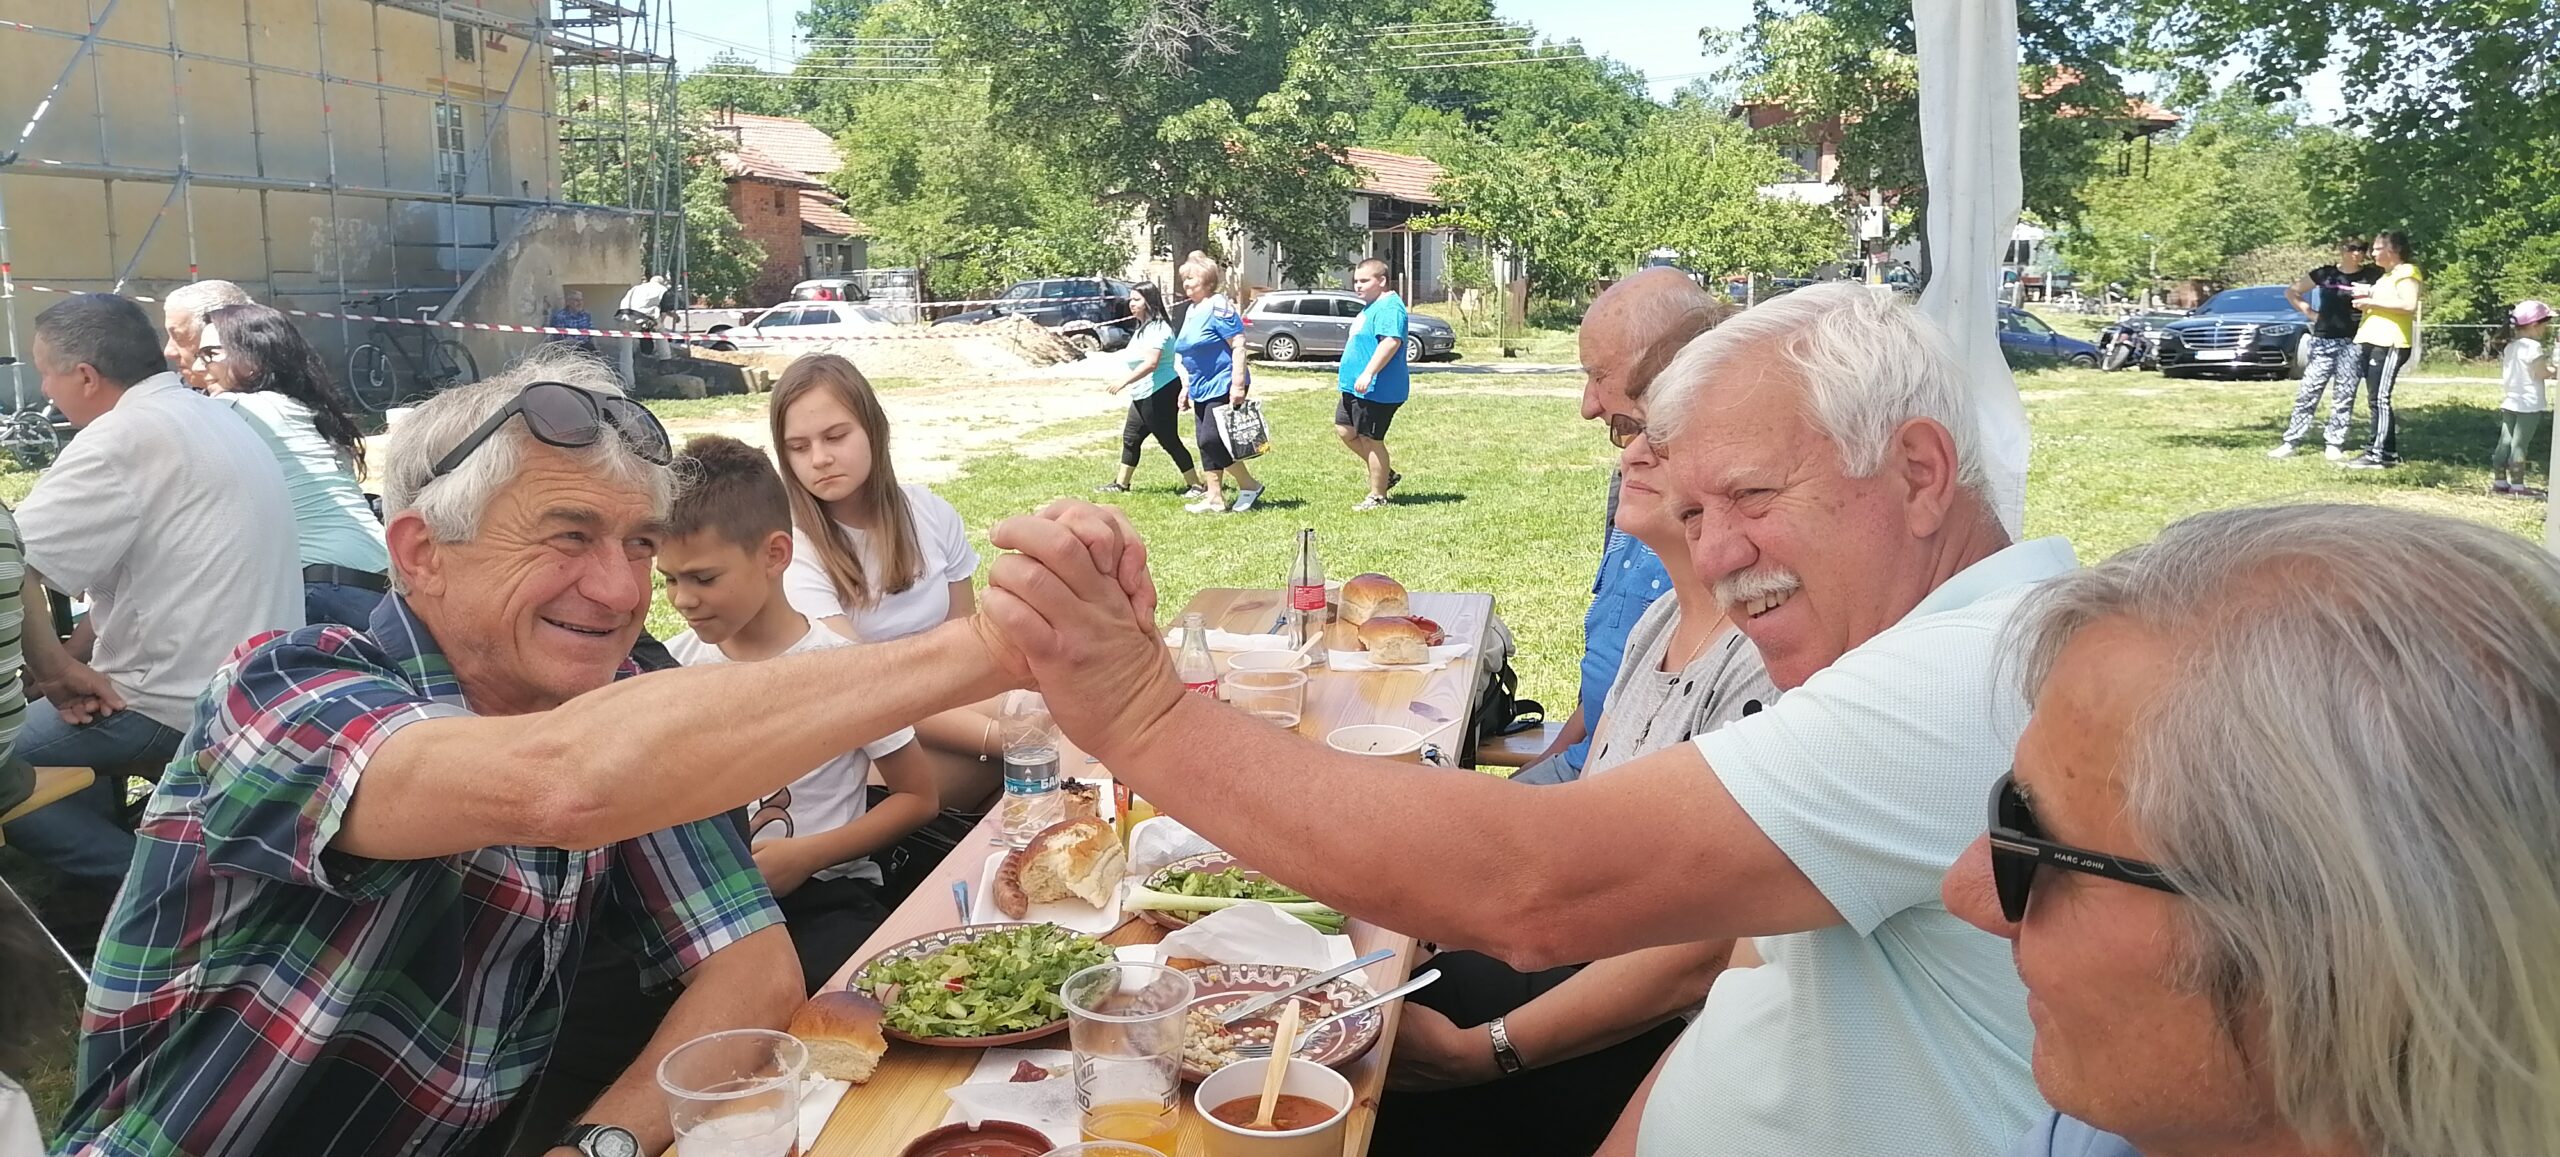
x: 979, y: 985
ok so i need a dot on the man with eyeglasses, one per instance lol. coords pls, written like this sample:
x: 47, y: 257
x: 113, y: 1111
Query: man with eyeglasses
x: 1621, y: 324
x: 367, y: 883
x: 1823, y: 449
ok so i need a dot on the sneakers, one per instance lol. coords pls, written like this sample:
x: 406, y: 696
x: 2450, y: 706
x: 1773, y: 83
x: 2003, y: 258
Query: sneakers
x: 1393, y: 477
x: 1192, y: 492
x: 1245, y: 499
x: 1372, y: 502
x: 1209, y: 506
x: 1111, y: 488
x: 2335, y: 453
x: 2283, y: 450
x: 2369, y: 462
x: 2501, y: 486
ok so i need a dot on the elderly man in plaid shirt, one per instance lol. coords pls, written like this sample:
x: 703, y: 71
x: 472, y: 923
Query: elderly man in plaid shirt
x: 363, y: 888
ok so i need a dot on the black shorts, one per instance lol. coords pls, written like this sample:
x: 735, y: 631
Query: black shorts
x: 1366, y: 418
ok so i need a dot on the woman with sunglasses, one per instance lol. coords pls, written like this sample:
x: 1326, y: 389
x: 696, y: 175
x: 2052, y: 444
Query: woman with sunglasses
x: 251, y: 357
x: 1156, y: 409
x: 2280, y: 856
x: 1494, y: 1060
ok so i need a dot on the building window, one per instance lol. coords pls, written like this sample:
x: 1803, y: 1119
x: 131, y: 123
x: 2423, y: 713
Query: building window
x: 466, y: 43
x: 778, y: 202
x: 451, y: 154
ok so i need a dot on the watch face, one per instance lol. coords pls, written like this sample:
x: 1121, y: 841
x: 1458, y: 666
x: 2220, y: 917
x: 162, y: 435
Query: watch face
x: 612, y: 1142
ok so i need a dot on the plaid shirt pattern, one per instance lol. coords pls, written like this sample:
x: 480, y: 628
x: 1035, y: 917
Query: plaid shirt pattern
x: 258, y: 992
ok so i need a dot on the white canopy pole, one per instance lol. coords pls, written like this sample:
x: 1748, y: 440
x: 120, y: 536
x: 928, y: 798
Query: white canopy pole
x: 1969, y: 150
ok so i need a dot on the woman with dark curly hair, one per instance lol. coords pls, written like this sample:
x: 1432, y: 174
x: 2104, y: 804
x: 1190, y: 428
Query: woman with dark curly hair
x: 253, y: 358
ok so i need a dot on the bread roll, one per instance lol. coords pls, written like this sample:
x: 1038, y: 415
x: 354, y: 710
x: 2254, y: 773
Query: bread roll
x: 1367, y: 596
x: 1394, y: 640
x: 1080, y: 858
x: 842, y: 1032
x: 1342, y: 635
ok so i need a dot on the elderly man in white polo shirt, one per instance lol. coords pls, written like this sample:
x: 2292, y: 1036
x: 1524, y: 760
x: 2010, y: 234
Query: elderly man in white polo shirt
x: 170, y: 515
x: 1827, y: 454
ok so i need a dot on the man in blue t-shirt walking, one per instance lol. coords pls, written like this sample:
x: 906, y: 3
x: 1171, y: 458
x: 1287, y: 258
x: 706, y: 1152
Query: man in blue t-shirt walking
x: 1374, y: 379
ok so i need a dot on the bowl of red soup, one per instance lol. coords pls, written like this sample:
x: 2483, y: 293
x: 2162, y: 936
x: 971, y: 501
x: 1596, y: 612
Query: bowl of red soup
x: 1314, y: 1103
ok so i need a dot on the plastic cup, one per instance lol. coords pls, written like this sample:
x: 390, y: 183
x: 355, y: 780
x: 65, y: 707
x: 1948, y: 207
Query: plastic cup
x: 1269, y: 661
x: 735, y: 1093
x: 1383, y: 740
x: 1126, y: 1021
x: 1277, y: 696
x: 1305, y: 1079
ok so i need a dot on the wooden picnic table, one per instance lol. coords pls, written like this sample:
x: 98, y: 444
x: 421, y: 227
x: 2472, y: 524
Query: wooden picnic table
x: 906, y: 1096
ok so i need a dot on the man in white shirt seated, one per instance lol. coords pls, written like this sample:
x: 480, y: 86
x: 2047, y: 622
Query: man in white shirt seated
x: 169, y: 515
x: 1825, y: 451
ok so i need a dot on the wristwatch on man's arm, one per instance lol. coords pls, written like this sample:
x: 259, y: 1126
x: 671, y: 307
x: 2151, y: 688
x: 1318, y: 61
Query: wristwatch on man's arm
x: 601, y: 1141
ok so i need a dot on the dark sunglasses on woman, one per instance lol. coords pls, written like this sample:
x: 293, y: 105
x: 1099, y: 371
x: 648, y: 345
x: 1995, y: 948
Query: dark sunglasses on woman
x: 2018, y: 848
x: 572, y: 418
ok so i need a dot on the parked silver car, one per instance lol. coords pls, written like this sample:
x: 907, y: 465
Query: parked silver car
x: 1285, y: 325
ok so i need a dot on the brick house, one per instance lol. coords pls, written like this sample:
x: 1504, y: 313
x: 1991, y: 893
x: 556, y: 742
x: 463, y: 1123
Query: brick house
x: 776, y: 170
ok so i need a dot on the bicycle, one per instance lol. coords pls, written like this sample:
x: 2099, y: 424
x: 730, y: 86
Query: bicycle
x: 374, y: 377
x: 31, y: 435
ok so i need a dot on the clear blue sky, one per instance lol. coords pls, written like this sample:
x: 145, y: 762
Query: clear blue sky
x: 1657, y: 37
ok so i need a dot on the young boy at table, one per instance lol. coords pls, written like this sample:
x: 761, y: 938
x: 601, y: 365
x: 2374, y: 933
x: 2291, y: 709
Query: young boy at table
x: 727, y: 546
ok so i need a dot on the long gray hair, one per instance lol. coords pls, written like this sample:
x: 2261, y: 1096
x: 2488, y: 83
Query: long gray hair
x: 2356, y: 780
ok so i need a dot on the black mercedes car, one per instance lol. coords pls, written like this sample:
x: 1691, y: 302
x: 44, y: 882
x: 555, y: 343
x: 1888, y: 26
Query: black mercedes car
x: 2248, y: 330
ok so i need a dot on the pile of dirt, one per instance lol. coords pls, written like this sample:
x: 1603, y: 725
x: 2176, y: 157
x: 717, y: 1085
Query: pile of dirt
x: 1005, y: 346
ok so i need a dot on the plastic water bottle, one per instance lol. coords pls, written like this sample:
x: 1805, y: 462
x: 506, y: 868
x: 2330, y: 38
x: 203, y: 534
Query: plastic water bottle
x: 1032, y: 801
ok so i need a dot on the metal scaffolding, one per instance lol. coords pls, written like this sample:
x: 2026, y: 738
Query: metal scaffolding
x: 593, y: 39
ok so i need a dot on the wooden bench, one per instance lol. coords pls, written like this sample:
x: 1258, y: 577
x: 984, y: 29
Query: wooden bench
x: 52, y: 784
x: 1520, y: 748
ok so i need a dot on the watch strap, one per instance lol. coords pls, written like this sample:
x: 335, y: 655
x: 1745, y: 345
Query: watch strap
x: 1504, y: 1055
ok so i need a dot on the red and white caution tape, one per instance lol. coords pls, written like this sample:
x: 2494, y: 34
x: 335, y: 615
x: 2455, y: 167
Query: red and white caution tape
x: 692, y: 337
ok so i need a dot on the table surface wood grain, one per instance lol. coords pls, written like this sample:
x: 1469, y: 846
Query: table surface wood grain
x: 906, y: 1097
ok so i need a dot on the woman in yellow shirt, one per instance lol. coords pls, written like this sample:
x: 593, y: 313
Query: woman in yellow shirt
x: 2390, y: 328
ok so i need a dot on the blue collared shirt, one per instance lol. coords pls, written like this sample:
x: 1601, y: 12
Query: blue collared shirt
x: 1630, y: 579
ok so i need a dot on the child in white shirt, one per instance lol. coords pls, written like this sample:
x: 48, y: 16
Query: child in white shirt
x: 723, y: 560
x: 2524, y: 369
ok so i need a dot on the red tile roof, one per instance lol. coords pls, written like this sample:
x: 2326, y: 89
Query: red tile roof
x: 795, y: 143
x: 1396, y: 175
x: 745, y: 163
x: 824, y: 213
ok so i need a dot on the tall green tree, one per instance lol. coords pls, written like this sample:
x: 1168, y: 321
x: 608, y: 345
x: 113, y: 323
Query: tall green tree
x: 1851, y: 67
x: 2231, y: 182
x: 1691, y: 184
x: 2453, y: 111
x: 1187, y: 110
x: 942, y: 190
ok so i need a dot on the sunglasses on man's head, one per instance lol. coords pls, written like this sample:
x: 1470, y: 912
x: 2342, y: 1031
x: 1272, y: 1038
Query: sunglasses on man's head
x: 2018, y: 848
x: 566, y: 416
x: 1624, y: 430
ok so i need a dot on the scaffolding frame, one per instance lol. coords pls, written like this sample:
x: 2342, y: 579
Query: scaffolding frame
x: 571, y: 34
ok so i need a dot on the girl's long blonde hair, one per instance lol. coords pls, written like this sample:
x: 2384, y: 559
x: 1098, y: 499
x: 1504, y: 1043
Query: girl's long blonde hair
x: 879, y: 501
